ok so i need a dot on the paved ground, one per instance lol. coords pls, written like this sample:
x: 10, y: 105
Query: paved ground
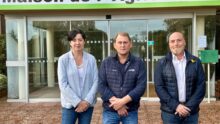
x: 49, y: 113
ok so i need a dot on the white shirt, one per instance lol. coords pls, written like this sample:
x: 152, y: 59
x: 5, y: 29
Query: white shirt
x: 81, y: 75
x: 180, y: 66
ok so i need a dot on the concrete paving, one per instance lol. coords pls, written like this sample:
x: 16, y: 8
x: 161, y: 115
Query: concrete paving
x: 50, y: 113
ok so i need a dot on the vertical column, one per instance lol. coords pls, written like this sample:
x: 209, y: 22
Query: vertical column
x: 36, y: 65
x: 50, y: 57
x: 200, y: 28
x: 109, y: 42
x: 194, y: 43
x: 21, y: 55
x: 147, y: 58
x: 42, y: 55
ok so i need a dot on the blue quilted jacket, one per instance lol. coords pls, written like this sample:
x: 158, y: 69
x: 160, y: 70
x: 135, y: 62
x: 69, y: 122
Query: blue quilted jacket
x: 112, y: 83
x: 166, y: 83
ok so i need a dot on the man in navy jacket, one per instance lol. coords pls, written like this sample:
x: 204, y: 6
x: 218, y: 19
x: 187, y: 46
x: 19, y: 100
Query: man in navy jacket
x: 122, y: 82
x: 179, y: 83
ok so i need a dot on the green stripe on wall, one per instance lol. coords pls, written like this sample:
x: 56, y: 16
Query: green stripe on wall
x: 110, y: 6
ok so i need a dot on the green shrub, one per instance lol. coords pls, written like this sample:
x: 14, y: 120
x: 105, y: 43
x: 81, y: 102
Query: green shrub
x: 2, y: 54
x: 3, y: 81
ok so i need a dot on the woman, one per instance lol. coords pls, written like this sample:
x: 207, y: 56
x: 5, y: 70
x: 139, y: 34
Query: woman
x: 78, y: 78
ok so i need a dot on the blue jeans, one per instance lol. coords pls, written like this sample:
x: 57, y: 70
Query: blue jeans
x: 69, y: 116
x: 110, y: 117
x: 169, y: 118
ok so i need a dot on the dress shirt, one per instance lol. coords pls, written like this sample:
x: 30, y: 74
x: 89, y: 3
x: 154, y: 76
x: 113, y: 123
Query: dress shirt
x: 180, y: 66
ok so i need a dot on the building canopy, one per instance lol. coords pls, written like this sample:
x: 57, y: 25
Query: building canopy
x: 101, y: 4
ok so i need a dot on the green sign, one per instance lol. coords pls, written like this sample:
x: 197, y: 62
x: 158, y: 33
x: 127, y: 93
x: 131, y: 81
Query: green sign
x: 150, y: 43
x: 209, y: 56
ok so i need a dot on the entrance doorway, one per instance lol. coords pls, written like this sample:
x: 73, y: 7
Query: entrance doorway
x: 149, y: 43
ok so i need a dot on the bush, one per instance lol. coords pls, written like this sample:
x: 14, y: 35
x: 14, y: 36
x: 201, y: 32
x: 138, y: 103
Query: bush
x: 2, y: 54
x: 3, y: 81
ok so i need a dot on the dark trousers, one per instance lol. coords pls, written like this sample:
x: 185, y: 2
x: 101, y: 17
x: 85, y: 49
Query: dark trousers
x: 169, y: 118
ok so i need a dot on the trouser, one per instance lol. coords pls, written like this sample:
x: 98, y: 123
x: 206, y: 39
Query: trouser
x: 69, y: 116
x: 169, y: 118
x: 110, y: 117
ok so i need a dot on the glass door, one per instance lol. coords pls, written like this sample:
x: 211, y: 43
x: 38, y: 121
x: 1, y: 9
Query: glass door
x: 150, y: 40
x: 138, y: 31
x: 158, y: 30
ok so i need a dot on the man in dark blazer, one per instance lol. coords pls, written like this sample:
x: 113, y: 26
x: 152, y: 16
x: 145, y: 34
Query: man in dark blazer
x: 180, y: 83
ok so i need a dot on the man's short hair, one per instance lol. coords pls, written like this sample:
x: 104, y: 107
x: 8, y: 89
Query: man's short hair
x: 122, y: 34
x: 168, y: 35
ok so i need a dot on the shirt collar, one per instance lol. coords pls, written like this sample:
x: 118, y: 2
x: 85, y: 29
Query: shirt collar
x: 128, y: 59
x: 175, y: 58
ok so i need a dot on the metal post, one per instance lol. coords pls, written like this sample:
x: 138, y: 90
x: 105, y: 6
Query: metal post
x: 208, y: 83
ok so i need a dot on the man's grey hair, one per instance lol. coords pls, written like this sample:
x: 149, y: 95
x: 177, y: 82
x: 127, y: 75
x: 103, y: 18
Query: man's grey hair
x: 168, y: 35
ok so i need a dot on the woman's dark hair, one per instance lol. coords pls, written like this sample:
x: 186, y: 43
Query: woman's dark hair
x: 72, y: 34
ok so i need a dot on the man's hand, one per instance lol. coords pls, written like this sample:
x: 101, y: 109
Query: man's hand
x: 82, y: 106
x: 123, y: 111
x: 113, y: 99
x: 116, y: 103
x: 182, y: 110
